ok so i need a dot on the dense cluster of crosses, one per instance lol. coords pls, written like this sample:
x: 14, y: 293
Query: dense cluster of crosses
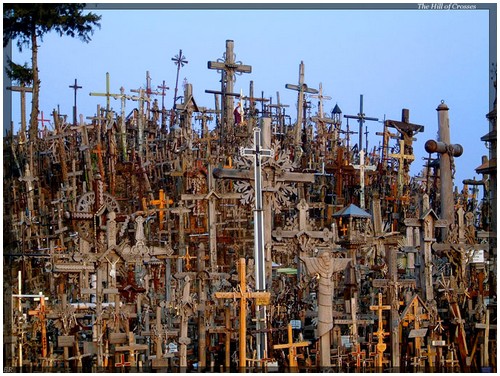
x: 144, y: 241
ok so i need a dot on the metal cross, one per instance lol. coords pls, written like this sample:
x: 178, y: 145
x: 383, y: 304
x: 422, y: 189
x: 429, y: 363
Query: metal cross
x: 257, y: 153
x: 361, y: 119
x: 178, y: 60
x: 75, y: 87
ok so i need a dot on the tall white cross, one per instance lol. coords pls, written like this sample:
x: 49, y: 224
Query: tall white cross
x: 257, y: 153
x: 362, y: 168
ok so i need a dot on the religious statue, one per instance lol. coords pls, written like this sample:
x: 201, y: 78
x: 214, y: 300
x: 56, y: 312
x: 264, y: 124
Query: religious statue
x: 323, y: 267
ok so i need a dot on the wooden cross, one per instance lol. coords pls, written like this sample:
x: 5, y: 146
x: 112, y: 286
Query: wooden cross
x: 123, y: 129
x: 41, y: 312
x: 302, y: 88
x: 132, y: 347
x: 320, y: 97
x: 107, y: 94
x: 415, y: 312
x: 362, y: 167
x: 358, y: 354
x: 161, y: 201
x: 43, y: 122
x: 402, y: 165
x: 243, y: 295
x: 228, y: 68
x: 292, y: 348
x: 380, y: 333
x: 404, y: 126
x: 23, y: 90
x: 75, y: 87
x: 140, y: 126
x: 163, y: 87
x: 123, y: 363
x: 361, y: 119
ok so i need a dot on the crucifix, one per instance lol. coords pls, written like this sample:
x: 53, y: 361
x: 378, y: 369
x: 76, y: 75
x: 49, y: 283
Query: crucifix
x: 362, y: 167
x: 361, y: 119
x: 228, y: 68
x: 257, y: 153
x: 242, y: 294
x: 40, y: 312
x: 302, y: 88
x: 75, y: 87
x: 292, y: 348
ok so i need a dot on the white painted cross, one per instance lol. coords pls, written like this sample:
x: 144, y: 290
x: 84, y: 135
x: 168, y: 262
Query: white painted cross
x: 257, y: 153
x: 362, y: 167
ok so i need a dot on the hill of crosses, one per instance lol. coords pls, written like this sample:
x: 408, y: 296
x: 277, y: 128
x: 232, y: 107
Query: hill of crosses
x: 258, y: 240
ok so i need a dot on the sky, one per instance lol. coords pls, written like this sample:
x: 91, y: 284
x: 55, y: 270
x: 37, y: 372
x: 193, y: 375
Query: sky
x: 397, y: 57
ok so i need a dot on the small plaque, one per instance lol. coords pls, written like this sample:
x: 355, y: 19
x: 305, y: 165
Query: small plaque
x: 296, y: 324
x: 90, y: 348
x: 160, y: 363
x: 117, y: 338
x: 439, y: 343
x: 65, y: 341
x: 418, y: 333
x: 478, y: 256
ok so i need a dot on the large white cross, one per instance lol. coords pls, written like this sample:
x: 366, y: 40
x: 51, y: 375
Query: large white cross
x: 257, y: 153
x: 362, y: 167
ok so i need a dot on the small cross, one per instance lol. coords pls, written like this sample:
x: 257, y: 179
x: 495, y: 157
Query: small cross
x: 292, y: 347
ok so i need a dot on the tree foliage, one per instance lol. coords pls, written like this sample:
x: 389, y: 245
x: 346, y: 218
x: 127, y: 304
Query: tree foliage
x: 26, y: 24
x: 23, y: 21
x: 21, y: 74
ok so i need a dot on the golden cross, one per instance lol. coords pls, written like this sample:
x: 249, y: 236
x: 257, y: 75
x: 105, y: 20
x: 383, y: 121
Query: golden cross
x: 243, y: 295
x: 291, y: 346
x: 381, y: 346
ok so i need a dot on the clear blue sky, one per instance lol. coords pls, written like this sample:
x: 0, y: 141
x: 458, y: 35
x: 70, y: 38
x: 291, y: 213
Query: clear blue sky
x: 396, y: 58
